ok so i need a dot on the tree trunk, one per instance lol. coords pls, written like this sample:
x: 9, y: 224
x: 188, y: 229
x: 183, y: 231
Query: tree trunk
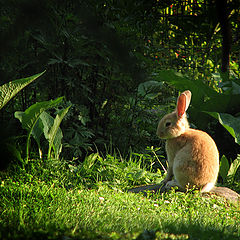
x: 223, y: 15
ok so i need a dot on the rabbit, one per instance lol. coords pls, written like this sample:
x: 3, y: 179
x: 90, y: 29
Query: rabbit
x: 192, y: 155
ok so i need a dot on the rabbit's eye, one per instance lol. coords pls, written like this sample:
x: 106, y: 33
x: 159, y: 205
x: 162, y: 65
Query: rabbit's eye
x: 167, y: 124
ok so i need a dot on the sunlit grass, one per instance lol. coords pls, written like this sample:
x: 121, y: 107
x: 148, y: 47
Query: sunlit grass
x: 56, y: 200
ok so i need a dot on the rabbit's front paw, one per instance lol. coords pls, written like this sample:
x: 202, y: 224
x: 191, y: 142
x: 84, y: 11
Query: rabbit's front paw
x: 170, y: 184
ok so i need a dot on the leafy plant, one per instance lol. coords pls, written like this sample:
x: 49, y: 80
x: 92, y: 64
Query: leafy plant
x: 204, y: 97
x: 206, y: 100
x: 7, y: 92
x: 228, y: 171
x: 36, y: 121
x: 99, y: 55
x: 149, y: 89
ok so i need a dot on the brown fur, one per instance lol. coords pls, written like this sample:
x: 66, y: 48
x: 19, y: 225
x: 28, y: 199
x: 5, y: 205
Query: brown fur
x: 193, y: 158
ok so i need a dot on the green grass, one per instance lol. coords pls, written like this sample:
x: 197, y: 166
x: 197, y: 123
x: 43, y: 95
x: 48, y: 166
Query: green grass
x: 57, y: 200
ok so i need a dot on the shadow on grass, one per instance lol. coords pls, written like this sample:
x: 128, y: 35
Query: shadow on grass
x: 170, y: 231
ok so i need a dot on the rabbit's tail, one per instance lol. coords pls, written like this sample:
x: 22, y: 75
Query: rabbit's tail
x: 207, y: 187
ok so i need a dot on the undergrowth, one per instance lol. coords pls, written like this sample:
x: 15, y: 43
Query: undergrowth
x: 52, y: 199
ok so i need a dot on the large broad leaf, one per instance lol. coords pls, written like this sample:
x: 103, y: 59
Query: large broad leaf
x: 10, y: 89
x: 44, y: 122
x: 37, y: 130
x: 198, y: 88
x: 232, y: 124
x: 204, y: 98
x: 31, y: 116
x: 54, y: 135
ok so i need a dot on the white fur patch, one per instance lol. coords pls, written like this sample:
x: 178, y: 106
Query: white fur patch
x: 208, y: 187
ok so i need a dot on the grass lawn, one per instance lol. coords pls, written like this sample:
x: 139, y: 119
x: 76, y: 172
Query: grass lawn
x: 56, y: 200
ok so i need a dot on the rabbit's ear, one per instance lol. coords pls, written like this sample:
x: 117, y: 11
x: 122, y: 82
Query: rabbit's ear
x: 183, y: 103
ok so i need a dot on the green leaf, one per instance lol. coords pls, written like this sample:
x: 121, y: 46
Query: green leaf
x: 233, y: 168
x: 47, y: 121
x: 54, y: 134
x: 33, y: 113
x: 31, y: 116
x: 10, y: 89
x: 150, y: 89
x: 37, y: 131
x: 57, y: 143
x: 19, y: 115
x: 224, y: 167
x: 42, y: 126
x: 198, y: 88
x: 90, y: 160
x: 230, y: 123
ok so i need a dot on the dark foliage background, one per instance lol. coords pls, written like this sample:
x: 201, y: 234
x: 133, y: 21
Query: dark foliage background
x: 104, y: 57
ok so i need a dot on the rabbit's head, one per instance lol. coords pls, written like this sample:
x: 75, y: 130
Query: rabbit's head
x: 174, y: 124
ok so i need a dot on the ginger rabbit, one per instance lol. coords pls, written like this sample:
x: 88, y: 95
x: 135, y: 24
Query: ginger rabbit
x: 193, y: 158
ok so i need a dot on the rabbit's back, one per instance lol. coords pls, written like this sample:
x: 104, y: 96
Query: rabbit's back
x: 195, y: 158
